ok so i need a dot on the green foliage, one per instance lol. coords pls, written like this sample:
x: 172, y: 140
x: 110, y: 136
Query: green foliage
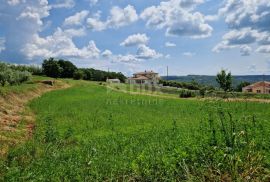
x: 65, y: 69
x: 98, y: 75
x: 193, y: 85
x: 241, y: 85
x: 52, y: 68
x: 9, y: 74
x: 78, y: 75
x: 186, y: 94
x: 34, y: 70
x: 68, y: 68
x: 224, y: 80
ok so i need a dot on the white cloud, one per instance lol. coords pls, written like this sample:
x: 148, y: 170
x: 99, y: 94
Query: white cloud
x: 245, y: 50
x: 22, y: 21
x: 188, y: 54
x: 263, y: 49
x: 118, y: 18
x: 93, y: 2
x: 76, y: 19
x: 14, y: 2
x: 75, y: 32
x: 135, y: 39
x: 170, y: 44
x: 107, y: 53
x: 59, y: 44
x: 211, y: 17
x: 2, y: 44
x: 64, y: 4
x: 145, y: 52
x: 249, y: 24
x: 179, y: 18
x: 129, y: 58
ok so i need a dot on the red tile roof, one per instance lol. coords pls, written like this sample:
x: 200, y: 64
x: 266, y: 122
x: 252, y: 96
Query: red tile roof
x: 259, y: 84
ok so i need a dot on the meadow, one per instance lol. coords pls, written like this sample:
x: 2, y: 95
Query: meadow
x: 91, y: 133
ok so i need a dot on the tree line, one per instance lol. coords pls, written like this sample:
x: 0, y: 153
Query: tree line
x: 65, y: 69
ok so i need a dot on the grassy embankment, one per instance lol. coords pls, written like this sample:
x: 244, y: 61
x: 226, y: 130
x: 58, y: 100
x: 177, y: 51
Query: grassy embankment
x: 90, y: 133
x: 17, y: 120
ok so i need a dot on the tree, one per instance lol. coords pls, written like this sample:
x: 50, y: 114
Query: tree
x: 78, y: 75
x: 224, y: 80
x: 68, y: 68
x: 241, y: 85
x: 51, y: 68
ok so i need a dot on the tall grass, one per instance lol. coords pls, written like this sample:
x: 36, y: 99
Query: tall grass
x: 87, y: 134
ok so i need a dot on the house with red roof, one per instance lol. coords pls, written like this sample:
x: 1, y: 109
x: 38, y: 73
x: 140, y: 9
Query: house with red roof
x: 262, y: 87
x: 146, y: 77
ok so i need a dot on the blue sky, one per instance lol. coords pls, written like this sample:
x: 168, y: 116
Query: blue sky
x: 189, y: 36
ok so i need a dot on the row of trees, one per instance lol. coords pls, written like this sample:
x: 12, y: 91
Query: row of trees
x: 10, y: 74
x: 65, y: 69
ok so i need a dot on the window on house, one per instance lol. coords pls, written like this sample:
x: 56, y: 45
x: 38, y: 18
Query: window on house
x: 258, y: 91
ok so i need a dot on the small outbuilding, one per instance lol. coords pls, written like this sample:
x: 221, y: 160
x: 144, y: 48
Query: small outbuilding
x: 113, y: 81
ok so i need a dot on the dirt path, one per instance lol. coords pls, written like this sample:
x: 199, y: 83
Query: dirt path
x: 16, y: 120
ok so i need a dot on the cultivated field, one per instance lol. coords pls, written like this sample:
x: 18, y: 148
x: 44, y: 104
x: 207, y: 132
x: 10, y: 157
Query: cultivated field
x: 91, y: 133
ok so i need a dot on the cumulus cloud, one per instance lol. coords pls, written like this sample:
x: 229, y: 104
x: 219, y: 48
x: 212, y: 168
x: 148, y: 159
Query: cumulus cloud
x: 135, y: 39
x: 129, y: 58
x: 248, y: 22
x: 107, y: 53
x: 76, y: 19
x: 245, y: 50
x: 118, y: 18
x: 64, y: 4
x: 24, y: 42
x: 179, y: 18
x: 170, y: 44
x: 145, y: 52
x: 59, y: 44
x: 23, y: 21
x: 14, y: 2
x: 263, y: 49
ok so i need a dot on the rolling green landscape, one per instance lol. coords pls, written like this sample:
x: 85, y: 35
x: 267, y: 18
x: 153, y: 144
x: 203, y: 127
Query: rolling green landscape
x: 90, y: 132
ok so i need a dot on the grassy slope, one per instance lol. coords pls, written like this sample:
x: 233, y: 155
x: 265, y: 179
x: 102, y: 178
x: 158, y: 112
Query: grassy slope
x: 16, y: 120
x: 89, y: 132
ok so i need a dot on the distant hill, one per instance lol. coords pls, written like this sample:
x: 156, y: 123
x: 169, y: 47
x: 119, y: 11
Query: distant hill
x: 211, y: 80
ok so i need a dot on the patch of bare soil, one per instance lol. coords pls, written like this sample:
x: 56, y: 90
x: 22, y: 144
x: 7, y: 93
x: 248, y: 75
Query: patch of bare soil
x: 17, y: 122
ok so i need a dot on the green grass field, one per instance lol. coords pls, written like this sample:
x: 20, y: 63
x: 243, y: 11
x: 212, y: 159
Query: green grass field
x: 91, y: 133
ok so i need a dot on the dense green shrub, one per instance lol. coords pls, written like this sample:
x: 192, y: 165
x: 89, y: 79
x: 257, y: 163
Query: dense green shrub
x: 33, y: 69
x: 78, y: 75
x: 186, y: 94
x: 193, y: 85
x: 9, y: 74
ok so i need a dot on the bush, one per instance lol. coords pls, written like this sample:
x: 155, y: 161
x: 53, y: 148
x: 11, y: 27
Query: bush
x: 186, y: 94
x: 78, y: 75
x: 9, y: 74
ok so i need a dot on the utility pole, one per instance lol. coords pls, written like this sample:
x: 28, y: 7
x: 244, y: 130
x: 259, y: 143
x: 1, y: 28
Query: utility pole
x: 264, y: 85
x: 167, y: 73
